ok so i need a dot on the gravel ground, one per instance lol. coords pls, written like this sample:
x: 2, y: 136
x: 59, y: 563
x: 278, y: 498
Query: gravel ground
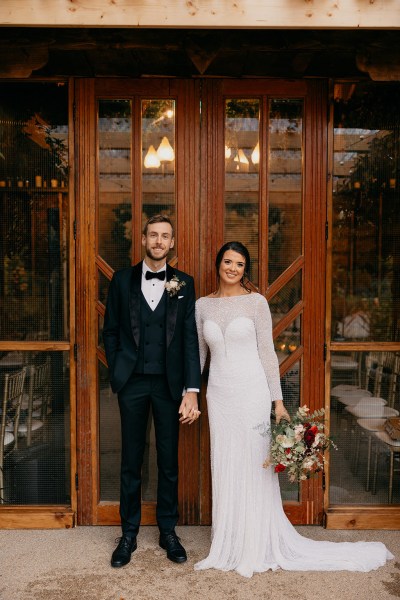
x: 74, y: 564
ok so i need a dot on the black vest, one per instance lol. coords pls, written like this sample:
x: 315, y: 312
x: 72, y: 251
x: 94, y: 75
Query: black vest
x: 152, y: 346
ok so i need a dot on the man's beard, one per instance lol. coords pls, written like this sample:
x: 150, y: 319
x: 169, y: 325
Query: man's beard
x: 158, y: 257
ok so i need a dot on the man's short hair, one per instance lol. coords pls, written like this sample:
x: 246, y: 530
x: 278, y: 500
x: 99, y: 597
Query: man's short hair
x: 158, y: 219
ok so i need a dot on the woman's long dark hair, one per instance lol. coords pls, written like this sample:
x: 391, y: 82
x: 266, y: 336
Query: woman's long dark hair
x: 240, y: 249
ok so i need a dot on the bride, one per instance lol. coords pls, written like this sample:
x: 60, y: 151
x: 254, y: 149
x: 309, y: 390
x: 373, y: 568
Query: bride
x: 250, y: 531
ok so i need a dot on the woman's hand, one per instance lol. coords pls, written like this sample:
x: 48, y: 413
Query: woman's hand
x: 280, y: 411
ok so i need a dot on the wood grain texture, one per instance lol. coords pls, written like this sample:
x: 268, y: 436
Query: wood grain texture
x: 86, y: 332
x: 36, y: 517
x: 201, y: 13
x: 362, y: 517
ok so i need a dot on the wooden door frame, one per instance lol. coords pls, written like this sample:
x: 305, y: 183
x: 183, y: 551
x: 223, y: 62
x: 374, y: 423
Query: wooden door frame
x: 90, y: 509
x: 199, y: 226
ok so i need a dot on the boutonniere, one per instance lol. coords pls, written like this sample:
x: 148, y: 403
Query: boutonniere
x: 174, y: 285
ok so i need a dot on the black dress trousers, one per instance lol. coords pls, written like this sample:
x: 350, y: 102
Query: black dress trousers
x: 139, y: 393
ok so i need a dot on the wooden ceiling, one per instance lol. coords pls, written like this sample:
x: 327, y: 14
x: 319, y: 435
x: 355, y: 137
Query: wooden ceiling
x: 81, y: 52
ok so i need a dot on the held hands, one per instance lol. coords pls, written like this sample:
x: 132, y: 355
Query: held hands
x: 281, y: 412
x: 189, y: 409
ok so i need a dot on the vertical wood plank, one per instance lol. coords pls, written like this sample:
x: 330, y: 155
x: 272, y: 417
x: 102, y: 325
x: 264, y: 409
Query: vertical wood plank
x: 187, y: 243
x: 315, y: 261
x: 85, y: 293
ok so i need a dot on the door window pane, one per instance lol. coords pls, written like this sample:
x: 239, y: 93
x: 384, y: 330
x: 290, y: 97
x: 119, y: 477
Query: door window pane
x: 115, y: 182
x: 285, y: 164
x: 158, y: 158
x: 35, y: 432
x: 286, y: 298
x: 289, y: 340
x: 34, y: 212
x: 366, y: 213
x: 242, y: 181
x: 364, y: 394
x: 110, y: 446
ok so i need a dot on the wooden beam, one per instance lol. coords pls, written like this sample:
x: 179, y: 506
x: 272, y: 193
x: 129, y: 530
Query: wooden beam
x: 36, y: 517
x: 363, y: 517
x: 258, y: 14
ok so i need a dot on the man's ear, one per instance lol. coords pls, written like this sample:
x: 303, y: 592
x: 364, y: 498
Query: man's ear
x: 143, y: 239
x: 172, y: 243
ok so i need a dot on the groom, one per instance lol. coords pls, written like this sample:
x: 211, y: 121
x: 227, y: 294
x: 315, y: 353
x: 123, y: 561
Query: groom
x: 152, y: 352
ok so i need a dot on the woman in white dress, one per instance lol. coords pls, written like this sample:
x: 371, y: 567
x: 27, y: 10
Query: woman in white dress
x: 250, y: 531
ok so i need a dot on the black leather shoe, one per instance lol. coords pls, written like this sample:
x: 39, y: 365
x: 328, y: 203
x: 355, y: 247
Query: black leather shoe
x: 171, y: 543
x: 122, y: 553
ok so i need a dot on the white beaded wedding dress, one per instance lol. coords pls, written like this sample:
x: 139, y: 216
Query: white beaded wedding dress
x: 250, y: 531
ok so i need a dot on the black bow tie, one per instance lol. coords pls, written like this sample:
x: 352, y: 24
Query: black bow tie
x: 160, y: 275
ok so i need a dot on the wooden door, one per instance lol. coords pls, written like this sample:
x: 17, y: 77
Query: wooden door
x: 264, y: 174
x: 242, y: 160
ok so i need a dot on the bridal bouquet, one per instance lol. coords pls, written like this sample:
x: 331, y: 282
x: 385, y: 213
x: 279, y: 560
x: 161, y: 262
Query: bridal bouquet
x: 298, y: 447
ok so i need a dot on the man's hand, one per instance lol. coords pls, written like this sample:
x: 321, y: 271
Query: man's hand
x: 189, y: 408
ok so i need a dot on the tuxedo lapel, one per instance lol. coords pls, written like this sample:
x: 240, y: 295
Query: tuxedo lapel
x: 172, y: 308
x: 134, y: 301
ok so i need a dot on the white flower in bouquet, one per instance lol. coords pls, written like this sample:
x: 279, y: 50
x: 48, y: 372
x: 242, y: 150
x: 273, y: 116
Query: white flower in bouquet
x: 298, y: 432
x: 285, y: 441
x: 303, y: 410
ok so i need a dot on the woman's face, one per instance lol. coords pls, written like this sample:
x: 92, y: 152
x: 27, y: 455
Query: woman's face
x: 232, y: 267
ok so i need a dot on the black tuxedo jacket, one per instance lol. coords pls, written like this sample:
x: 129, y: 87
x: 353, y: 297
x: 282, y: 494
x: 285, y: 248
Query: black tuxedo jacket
x: 121, y: 332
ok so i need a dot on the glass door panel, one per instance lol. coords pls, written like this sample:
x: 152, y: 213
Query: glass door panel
x: 242, y: 181
x: 115, y: 182
x: 285, y: 184
x: 158, y: 158
x: 121, y: 215
x: 366, y: 216
x: 263, y: 198
x: 35, y: 326
x: 365, y: 296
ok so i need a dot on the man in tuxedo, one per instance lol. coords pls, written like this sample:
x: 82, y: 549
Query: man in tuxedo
x: 151, y: 345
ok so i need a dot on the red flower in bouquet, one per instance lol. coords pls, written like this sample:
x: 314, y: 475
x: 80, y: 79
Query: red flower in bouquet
x: 309, y: 435
x: 279, y: 468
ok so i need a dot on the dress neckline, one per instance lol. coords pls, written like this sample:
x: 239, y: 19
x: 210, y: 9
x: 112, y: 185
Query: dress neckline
x: 229, y: 297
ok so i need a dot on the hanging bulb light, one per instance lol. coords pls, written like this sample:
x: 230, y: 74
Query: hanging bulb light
x: 165, y: 150
x: 228, y: 152
x: 151, y: 160
x: 169, y: 113
x: 255, y: 155
x: 236, y: 160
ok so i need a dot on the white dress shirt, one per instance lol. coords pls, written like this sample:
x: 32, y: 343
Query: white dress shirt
x: 152, y: 289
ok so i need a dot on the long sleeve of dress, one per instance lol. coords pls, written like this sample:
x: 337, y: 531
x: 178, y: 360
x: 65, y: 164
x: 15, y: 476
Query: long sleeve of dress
x: 203, y: 348
x: 266, y: 350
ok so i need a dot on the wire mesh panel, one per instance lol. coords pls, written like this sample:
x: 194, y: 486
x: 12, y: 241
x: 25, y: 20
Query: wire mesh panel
x: 364, y: 396
x: 34, y: 212
x: 36, y: 467
x: 366, y: 214
x: 34, y: 290
x: 365, y: 293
